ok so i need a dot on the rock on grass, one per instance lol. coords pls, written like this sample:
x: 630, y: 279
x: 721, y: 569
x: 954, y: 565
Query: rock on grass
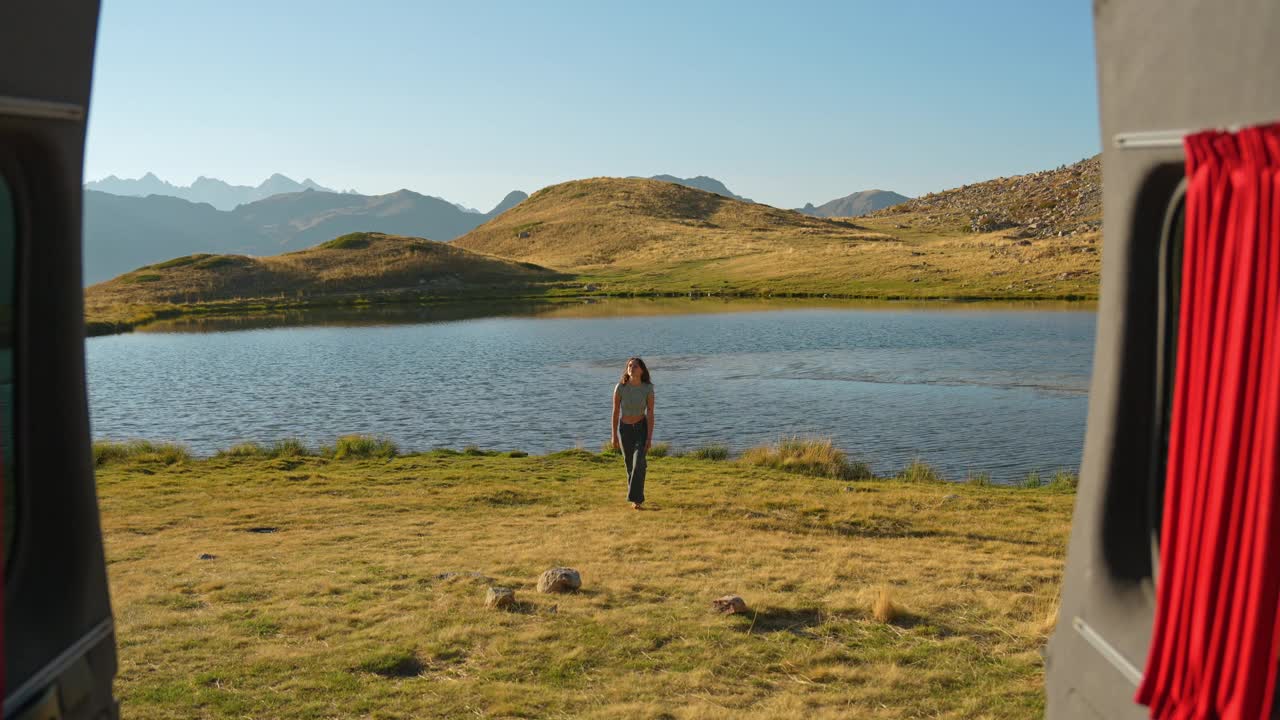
x: 559, y: 580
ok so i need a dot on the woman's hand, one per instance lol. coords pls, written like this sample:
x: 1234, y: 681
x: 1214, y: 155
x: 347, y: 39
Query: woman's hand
x: 616, y: 444
x: 648, y: 444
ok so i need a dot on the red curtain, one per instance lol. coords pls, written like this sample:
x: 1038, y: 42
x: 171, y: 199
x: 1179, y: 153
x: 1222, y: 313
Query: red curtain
x: 1216, y: 635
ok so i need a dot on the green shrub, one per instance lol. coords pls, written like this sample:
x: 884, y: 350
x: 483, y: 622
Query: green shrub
x: 140, y: 450
x: 517, y: 454
x: 364, y: 446
x: 918, y: 471
x: 660, y: 450
x: 818, y: 457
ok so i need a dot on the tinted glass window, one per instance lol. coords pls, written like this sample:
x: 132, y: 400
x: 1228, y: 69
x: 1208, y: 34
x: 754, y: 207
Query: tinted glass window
x: 8, y: 255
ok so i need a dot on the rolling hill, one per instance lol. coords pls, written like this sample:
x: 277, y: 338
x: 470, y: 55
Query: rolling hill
x: 357, y: 262
x: 629, y: 222
x: 702, y: 182
x: 644, y: 236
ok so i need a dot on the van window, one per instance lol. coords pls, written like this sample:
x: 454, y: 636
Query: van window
x: 8, y: 260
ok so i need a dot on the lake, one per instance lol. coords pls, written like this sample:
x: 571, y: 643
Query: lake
x: 967, y: 388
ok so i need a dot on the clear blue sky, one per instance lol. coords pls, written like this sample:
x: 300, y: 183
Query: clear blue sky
x: 786, y: 103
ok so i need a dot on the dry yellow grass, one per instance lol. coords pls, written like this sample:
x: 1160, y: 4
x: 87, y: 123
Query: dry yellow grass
x: 633, y: 222
x: 635, y: 235
x: 366, y: 599
x: 884, y: 609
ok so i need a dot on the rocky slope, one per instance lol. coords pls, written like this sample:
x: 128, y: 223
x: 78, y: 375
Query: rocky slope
x: 1052, y: 203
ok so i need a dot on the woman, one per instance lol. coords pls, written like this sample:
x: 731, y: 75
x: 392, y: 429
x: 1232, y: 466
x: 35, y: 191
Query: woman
x: 633, y: 424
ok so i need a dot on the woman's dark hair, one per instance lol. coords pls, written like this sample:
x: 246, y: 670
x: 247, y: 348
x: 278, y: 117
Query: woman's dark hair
x: 644, y: 372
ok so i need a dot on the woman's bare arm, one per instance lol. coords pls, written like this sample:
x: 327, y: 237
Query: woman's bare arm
x: 613, y: 425
x: 648, y: 443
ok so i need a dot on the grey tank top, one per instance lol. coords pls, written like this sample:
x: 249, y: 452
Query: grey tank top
x: 635, y: 398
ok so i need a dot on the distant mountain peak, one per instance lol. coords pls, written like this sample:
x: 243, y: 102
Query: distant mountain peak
x: 702, y: 182
x: 863, y: 202
x: 218, y: 193
x: 513, y: 198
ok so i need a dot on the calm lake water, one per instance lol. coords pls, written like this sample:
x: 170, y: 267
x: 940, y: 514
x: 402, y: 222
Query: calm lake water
x: 966, y: 388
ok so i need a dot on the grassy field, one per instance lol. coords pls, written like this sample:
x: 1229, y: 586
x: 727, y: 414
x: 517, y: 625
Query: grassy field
x: 271, y: 584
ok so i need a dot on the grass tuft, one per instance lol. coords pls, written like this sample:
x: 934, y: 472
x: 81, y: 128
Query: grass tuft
x: 106, y: 452
x: 1063, y: 481
x: 979, y: 479
x: 884, y: 609
x: 242, y: 450
x: 709, y: 452
x: 364, y: 446
x: 1031, y: 481
x: 920, y: 471
x: 289, y: 447
x: 818, y: 457
x: 660, y: 450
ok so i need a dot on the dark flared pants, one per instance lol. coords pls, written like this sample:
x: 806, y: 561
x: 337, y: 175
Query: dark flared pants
x: 633, y: 437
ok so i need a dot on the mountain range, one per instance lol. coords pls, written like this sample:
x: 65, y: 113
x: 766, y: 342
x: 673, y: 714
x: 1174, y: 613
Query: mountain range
x: 133, y: 222
x: 122, y: 232
x: 222, y: 195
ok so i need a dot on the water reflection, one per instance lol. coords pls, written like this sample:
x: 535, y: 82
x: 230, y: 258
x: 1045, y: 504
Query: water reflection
x: 970, y: 388
x: 374, y: 315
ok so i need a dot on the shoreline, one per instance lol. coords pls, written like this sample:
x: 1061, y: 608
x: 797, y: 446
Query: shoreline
x: 819, y: 459
x: 141, y: 317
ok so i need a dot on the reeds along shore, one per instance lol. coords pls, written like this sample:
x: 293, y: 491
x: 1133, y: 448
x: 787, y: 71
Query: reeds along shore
x: 816, y: 457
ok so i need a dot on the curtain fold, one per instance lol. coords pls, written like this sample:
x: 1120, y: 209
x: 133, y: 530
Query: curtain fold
x: 1216, y: 634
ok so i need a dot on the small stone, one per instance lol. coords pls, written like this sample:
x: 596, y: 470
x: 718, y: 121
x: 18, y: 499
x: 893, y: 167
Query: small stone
x: 500, y: 598
x: 207, y: 556
x: 730, y: 605
x: 559, y: 580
